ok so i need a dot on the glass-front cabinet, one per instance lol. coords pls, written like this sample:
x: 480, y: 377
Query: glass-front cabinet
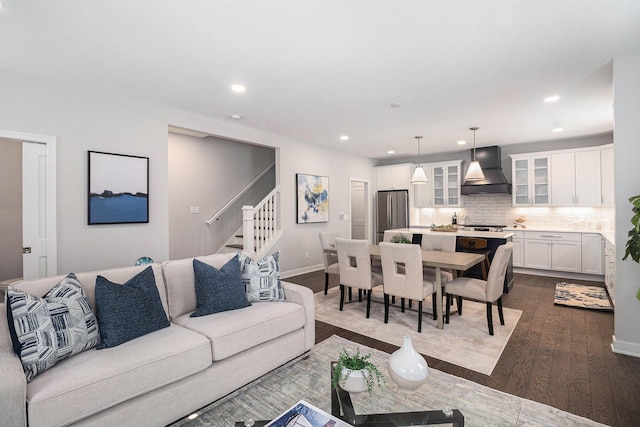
x: 446, y: 184
x: 531, y: 181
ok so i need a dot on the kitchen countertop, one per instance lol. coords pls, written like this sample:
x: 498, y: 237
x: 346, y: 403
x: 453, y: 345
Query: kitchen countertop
x: 483, y: 234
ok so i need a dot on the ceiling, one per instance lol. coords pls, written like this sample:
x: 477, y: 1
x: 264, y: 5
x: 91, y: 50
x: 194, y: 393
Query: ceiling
x: 318, y: 69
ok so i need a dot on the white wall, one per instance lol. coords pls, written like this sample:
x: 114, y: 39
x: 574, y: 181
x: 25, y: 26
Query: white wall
x: 84, y: 120
x: 626, y: 84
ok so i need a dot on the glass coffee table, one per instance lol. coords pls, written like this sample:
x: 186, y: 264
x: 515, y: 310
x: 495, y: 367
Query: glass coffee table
x: 343, y: 407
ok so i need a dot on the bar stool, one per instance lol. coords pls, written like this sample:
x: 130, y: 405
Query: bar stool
x: 478, y: 246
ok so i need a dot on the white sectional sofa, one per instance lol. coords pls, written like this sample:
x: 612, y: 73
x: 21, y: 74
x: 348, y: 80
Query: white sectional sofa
x: 164, y: 375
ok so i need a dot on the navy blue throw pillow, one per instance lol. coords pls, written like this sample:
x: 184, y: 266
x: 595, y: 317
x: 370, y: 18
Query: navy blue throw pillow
x: 218, y: 290
x: 130, y: 310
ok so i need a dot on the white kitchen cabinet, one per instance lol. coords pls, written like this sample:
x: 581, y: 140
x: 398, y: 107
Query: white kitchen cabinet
x: 446, y: 183
x: 423, y: 193
x: 575, y: 178
x: 606, y: 171
x: 592, y: 253
x: 530, y: 178
x: 393, y: 177
x: 553, y: 251
x: 610, y: 269
x: 518, y: 248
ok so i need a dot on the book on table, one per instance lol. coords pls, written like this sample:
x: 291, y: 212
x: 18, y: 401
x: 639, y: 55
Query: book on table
x: 303, y: 414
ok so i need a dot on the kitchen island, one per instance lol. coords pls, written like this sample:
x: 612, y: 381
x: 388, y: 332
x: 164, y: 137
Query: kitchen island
x: 494, y: 239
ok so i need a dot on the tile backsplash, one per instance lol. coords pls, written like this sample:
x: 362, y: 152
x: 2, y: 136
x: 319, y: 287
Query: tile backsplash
x: 498, y: 209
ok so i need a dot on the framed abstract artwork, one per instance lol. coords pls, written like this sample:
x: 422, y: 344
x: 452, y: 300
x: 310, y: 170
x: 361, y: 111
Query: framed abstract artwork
x: 312, y: 201
x: 118, y: 188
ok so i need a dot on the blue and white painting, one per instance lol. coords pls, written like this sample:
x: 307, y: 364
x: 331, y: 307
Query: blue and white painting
x: 118, y: 188
x: 313, y: 198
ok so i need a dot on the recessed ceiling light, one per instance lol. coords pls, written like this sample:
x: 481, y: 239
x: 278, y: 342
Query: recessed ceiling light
x: 396, y: 104
x: 238, y: 88
x: 550, y: 99
x: 462, y: 142
x: 235, y: 117
x: 558, y: 129
x: 344, y: 137
x: 391, y: 152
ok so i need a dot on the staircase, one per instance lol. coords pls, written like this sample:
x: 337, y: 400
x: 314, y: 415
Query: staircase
x: 260, y: 227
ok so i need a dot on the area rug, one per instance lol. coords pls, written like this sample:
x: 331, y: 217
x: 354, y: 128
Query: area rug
x: 309, y: 379
x: 582, y: 296
x: 465, y: 341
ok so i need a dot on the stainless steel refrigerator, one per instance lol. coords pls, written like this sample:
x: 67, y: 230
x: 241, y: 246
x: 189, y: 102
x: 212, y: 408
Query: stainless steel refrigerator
x: 392, y: 211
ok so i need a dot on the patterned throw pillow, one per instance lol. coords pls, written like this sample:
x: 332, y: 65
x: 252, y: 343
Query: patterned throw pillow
x: 47, y: 330
x: 130, y: 310
x: 218, y: 290
x: 262, y: 278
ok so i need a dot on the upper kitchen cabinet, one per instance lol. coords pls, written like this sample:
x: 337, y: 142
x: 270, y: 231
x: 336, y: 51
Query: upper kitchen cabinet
x: 575, y: 178
x: 446, y: 183
x: 606, y: 176
x: 394, y: 177
x: 531, y: 176
x: 423, y: 193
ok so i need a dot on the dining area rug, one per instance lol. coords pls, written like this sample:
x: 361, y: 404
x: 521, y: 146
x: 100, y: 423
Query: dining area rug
x: 308, y: 378
x: 582, y: 296
x: 464, y: 342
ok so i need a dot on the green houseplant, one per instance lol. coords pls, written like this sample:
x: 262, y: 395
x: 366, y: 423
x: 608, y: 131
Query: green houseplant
x: 353, y: 363
x: 400, y: 238
x: 633, y: 244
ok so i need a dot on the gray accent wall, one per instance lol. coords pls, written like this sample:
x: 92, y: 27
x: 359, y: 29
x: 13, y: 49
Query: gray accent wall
x: 206, y: 173
x: 10, y: 209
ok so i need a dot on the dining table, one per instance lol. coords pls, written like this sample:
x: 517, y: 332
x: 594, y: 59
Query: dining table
x: 454, y: 261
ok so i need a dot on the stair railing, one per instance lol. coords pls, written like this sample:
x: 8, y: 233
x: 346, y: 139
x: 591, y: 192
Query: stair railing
x: 222, y: 210
x: 261, y: 224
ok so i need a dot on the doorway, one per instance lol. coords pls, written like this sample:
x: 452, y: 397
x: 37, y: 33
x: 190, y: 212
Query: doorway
x: 38, y: 207
x: 359, y: 208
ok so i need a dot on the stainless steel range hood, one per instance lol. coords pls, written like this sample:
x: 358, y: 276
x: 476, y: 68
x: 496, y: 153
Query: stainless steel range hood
x: 494, y: 180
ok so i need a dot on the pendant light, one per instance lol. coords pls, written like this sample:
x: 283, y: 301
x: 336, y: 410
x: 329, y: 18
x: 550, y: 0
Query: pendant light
x: 474, y: 173
x: 419, y: 177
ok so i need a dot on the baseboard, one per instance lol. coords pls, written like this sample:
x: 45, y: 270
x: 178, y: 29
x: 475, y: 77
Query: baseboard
x: 559, y: 274
x: 303, y: 270
x: 623, y: 347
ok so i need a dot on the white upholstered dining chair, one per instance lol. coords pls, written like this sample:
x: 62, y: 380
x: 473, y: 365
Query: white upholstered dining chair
x: 437, y: 242
x: 328, y: 240
x: 354, y: 261
x: 403, y: 277
x: 489, y: 291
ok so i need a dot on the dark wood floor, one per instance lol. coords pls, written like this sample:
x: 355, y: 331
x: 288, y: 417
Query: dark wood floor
x: 557, y: 355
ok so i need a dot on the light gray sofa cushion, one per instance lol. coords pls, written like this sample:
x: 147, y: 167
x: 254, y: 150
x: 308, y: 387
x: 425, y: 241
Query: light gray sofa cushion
x: 180, y: 281
x: 98, y: 379
x: 231, y: 332
x: 39, y: 287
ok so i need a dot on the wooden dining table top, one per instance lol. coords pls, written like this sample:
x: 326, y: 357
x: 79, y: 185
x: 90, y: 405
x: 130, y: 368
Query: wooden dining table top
x: 441, y: 259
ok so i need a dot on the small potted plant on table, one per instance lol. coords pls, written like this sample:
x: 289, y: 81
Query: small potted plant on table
x: 355, y: 373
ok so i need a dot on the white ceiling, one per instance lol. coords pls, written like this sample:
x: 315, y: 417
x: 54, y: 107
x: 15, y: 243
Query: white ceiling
x: 317, y: 69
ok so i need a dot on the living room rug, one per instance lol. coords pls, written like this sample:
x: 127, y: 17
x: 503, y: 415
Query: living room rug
x: 465, y: 341
x: 309, y: 379
x: 583, y: 296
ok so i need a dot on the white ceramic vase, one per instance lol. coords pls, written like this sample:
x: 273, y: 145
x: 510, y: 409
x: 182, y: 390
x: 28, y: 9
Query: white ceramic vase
x: 356, y: 381
x: 407, y: 367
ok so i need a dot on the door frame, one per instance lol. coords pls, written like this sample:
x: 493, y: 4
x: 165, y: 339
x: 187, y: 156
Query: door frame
x: 367, y: 207
x: 51, y: 220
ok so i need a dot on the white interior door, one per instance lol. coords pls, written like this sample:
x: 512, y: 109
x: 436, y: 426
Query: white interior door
x: 34, y: 210
x: 358, y: 210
